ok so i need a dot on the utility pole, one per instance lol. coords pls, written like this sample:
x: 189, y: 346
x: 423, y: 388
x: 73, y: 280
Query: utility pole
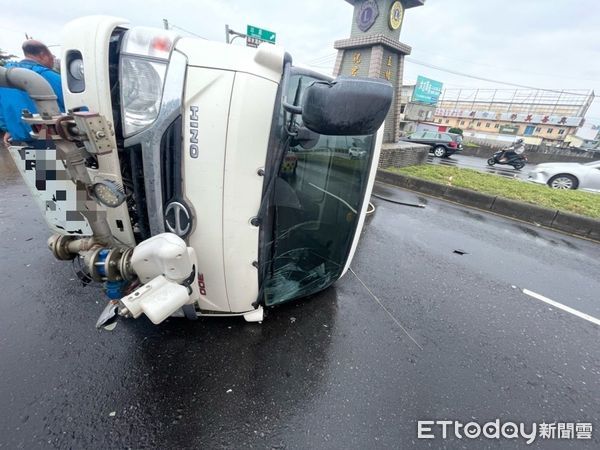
x: 236, y: 34
x: 166, y: 24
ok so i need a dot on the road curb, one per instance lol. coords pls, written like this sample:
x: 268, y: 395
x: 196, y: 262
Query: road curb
x: 550, y: 218
x: 574, y: 224
x: 524, y: 211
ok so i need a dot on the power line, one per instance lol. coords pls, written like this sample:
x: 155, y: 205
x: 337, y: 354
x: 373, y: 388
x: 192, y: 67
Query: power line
x: 319, y: 67
x: 328, y: 58
x: 476, y: 77
x: 513, y: 69
x: 187, y: 31
x: 322, y: 59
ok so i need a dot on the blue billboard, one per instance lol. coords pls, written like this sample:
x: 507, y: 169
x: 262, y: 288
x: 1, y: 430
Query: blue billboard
x: 427, y: 91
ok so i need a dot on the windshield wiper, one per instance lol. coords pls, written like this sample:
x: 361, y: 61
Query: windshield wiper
x: 334, y: 196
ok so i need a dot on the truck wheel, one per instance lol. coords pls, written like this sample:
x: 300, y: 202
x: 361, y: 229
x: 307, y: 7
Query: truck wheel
x: 563, y: 181
x: 439, y: 151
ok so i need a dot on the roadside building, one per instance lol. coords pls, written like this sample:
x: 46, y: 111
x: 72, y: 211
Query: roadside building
x: 418, y: 103
x: 585, y: 138
x: 539, y: 116
x: 414, y: 116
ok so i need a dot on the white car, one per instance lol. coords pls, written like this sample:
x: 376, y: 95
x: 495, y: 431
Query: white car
x: 568, y: 175
x: 357, y: 153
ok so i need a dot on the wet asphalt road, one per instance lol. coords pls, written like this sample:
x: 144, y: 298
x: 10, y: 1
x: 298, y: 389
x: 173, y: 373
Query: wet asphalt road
x: 334, y: 371
x: 480, y: 164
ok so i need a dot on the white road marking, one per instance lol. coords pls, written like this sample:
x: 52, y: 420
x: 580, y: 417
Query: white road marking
x: 561, y: 306
x: 385, y: 309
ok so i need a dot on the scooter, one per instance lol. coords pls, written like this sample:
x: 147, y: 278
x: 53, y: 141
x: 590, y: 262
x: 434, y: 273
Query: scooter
x: 518, y: 162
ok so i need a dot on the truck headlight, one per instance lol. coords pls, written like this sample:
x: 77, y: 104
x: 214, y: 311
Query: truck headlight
x: 141, y: 92
x: 145, y: 53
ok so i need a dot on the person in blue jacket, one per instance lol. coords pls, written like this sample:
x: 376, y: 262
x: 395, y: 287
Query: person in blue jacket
x: 12, y: 101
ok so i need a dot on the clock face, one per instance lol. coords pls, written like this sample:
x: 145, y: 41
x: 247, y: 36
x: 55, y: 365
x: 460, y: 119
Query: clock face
x: 396, y: 15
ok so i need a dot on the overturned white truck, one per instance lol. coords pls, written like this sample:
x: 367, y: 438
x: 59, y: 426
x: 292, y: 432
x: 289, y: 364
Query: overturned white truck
x: 198, y: 178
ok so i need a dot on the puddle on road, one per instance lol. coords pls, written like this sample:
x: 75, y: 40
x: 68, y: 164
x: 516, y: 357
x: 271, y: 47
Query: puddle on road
x: 537, y: 235
x: 383, y: 190
x: 395, y: 195
x: 473, y: 215
x: 502, y: 173
x: 442, y: 161
x: 527, y: 230
x: 569, y: 244
x: 478, y: 164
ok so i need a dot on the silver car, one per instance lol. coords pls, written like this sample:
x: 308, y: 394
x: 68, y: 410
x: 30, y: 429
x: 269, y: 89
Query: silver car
x: 568, y: 175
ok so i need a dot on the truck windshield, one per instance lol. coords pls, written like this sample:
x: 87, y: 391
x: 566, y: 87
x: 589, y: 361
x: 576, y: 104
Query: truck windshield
x: 317, y: 198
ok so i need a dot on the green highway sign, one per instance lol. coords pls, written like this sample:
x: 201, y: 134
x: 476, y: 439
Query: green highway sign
x: 257, y: 35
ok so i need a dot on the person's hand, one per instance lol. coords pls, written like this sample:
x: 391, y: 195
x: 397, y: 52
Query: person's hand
x: 6, y: 139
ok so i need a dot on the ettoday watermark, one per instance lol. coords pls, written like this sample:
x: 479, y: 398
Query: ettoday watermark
x: 496, y: 429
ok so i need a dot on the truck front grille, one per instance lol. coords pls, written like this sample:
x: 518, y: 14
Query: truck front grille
x: 137, y: 205
x: 177, y: 213
x: 171, y: 164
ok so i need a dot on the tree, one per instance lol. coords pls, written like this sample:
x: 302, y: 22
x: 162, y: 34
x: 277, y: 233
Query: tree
x: 5, y: 57
x: 456, y: 131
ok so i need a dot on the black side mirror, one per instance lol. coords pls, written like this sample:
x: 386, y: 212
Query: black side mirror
x: 346, y: 106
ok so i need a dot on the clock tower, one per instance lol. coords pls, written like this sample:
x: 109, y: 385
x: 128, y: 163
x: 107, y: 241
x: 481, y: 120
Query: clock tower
x: 374, y: 49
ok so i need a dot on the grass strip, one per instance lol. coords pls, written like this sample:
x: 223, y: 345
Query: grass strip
x: 578, y: 202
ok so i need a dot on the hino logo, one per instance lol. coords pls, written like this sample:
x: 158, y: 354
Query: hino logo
x: 194, y: 131
x: 178, y: 219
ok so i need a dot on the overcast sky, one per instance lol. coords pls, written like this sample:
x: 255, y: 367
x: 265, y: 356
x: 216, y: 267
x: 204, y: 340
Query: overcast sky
x: 548, y: 44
